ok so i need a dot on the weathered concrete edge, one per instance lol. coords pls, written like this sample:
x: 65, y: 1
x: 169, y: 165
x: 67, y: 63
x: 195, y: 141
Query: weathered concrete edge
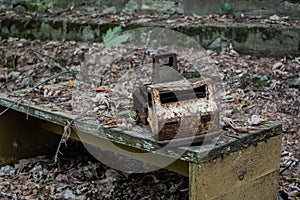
x: 233, y: 145
x: 115, y: 135
x: 255, y: 39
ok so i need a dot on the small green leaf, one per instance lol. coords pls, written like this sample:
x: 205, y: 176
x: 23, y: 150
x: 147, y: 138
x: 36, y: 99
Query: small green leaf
x: 112, y: 38
x: 128, y: 113
x: 191, y: 73
x: 260, y: 81
x: 242, y: 106
x: 44, y: 185
x: 228, y: 6
x: 117, y: 41
x: 294, y: 179
x: 50, y: 183
x: 10, y: 170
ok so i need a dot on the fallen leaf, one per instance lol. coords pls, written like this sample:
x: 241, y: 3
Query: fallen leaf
x: 28, y: 192
x: 67, y: 133
x: 115, y: 68
x: 255, y: 120
x: 144, y: 115
x: 71, y: 83
x: 277, y: 65
x: 5, y: 183
x: 241, y: 129
x: 228, y: 122
x: 102, y: 89
x: 34, y: 192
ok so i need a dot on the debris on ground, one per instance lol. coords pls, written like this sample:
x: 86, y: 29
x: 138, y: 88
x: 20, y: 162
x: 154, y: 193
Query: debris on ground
x: 256, y: 90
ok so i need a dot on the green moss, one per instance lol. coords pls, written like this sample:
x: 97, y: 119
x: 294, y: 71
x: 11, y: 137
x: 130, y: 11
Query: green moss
x: 32, y: 7
x: 239, y: 34
x: 267, y: 33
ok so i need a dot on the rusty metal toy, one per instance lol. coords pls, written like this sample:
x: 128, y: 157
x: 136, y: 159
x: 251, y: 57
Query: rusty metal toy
x: 176, y: 108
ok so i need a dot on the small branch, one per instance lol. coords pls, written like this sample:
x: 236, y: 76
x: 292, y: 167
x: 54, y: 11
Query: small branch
x: 65, y: 136
x: 33, y: 88
x: 28, y: 106
x: 39, y: 54
x: 249, y: 107
x: 42, y: 97
x: 146, y: 46
x: 67, y: 132
x: 284, y: 169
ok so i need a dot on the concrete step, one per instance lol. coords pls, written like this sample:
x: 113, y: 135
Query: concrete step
x: 261, y: 37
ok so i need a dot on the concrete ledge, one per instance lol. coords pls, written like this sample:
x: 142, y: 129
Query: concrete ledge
x: 261, y: 39
x: 289, y: 8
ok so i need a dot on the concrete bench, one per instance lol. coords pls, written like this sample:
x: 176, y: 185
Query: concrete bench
x: 244, y: 166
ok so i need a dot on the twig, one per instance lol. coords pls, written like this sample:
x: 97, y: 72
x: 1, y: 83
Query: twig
x: 144, y: 56
x: 67, y: 132
x: 281, y: 171
x: 39, y: 54
x: 33, y: 88
x: 258, y: 128
x: 146, y: 46
x: 42, y: 97
x: 65, y: 136
x: 28, y: 106
x: 249, y: 107
x: 184, y: 190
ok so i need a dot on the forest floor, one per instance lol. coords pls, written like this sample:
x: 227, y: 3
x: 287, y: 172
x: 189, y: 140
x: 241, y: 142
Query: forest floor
x: 254, y: 86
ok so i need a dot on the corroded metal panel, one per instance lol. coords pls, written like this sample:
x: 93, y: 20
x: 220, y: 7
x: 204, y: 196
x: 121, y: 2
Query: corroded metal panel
x: 182, y: 109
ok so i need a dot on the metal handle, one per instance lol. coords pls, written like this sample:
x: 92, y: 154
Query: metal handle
x: 172, y: 62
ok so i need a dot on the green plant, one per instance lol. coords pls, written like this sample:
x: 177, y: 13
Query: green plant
x: 260, y: 81
x: 226, y: 7
x: 44, y: 185
x: 294, y: 179
x: 128, y: 113
x: 241, y: 106
x: 112, y: 38
x: 10, y: 170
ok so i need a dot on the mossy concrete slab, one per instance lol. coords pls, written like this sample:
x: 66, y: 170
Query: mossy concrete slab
x: 245, y: 7
x: 256, y: 39
x: 189, y: 7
